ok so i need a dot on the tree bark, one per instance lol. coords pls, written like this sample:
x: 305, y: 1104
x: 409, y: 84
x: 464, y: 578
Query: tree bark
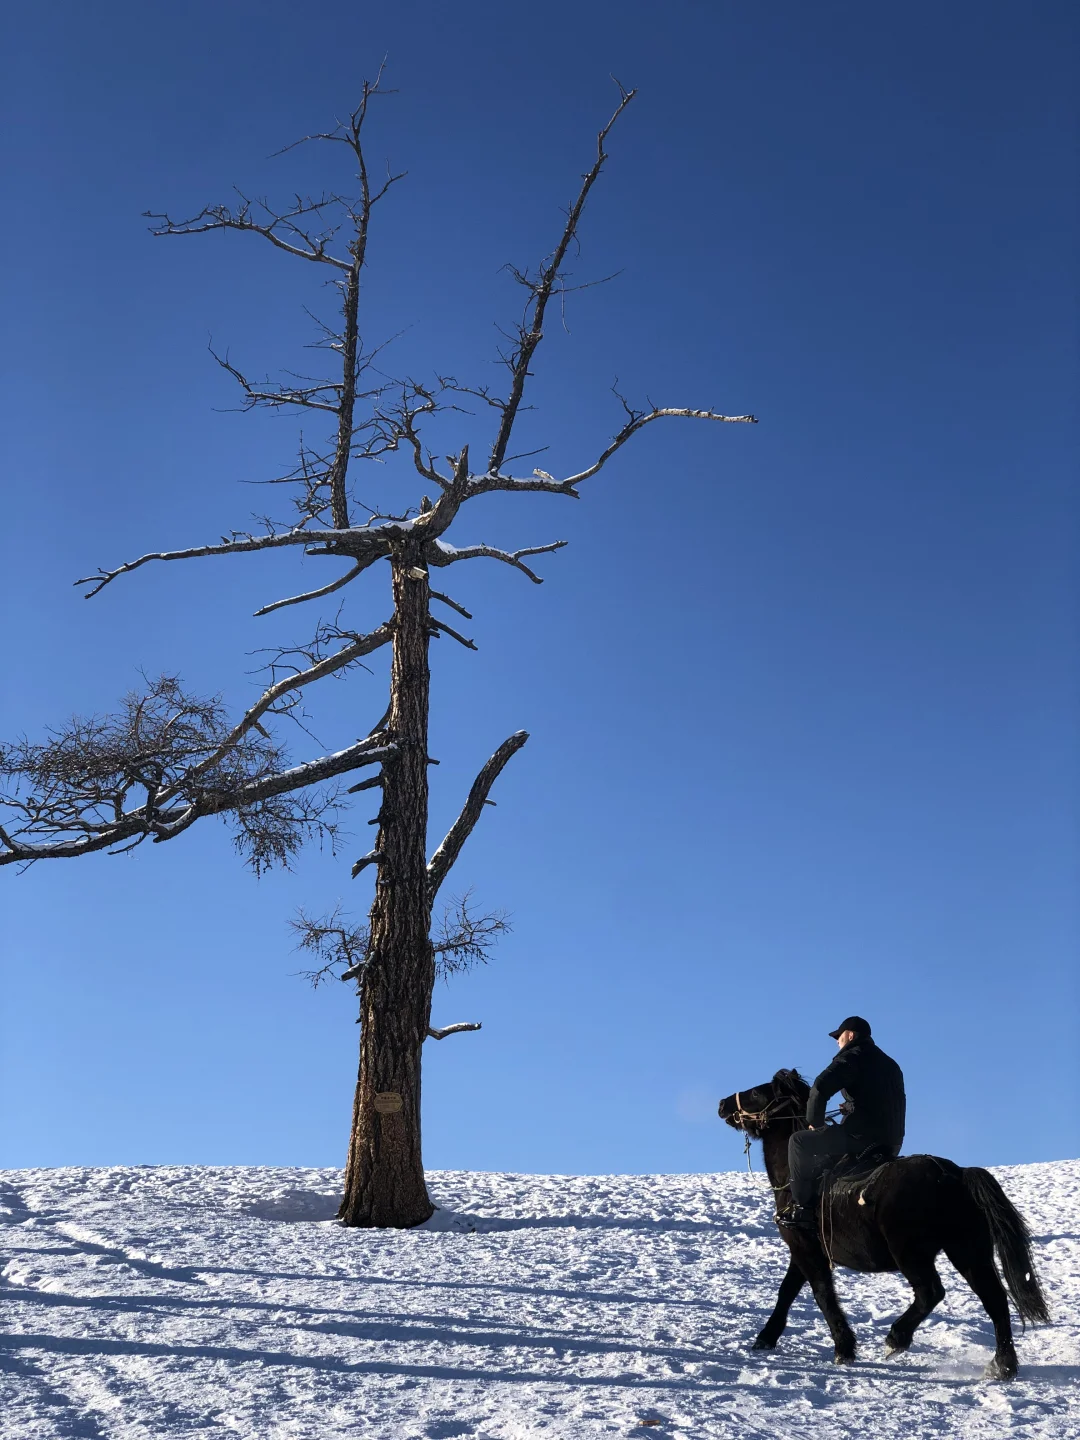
x: 384, y: 1175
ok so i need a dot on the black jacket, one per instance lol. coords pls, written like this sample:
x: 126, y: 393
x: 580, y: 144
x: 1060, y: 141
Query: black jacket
x: 873, y: 1083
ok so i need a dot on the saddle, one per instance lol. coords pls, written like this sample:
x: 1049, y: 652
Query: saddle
x: 856, y: 1172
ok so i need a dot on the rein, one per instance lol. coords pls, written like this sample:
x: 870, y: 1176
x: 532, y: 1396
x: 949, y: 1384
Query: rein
x: 760, y: 1118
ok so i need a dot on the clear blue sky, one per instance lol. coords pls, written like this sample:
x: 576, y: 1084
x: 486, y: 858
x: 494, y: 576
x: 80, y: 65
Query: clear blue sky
x: 802, y: 696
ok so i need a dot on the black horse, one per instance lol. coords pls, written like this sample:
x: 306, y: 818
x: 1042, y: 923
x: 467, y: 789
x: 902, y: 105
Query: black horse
x: 897, y: 1217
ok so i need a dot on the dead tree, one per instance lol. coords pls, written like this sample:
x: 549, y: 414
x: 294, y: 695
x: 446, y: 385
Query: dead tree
x: 168, y: 760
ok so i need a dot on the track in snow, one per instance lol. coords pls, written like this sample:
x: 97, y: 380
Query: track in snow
x: 172, y: 1301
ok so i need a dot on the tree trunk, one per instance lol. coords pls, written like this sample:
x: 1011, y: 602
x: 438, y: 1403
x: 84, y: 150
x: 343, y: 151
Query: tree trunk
x: 384, y: 1175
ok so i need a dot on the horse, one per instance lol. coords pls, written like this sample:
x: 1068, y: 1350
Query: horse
x: 899, y: 1217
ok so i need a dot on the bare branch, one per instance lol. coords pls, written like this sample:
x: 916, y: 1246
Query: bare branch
x: 540, y: 482
x: 637, y: 421
x: 436, y: 595
x: 531, y: 330
x: 339, y: 504
x: 440, y: 864
x: 363, y: 544
x: 348, y: 655
x: 275, y: 227
x: 312, y: 772
x: 466, y: 938
x: 371, y: 858
x: 333, y: 942
x: 371, y: 784
x: 453, y: 1029
x: 437, y: 626
x: 440, y: 553
x: 360, y: 214
x: 337, y: 584
x: 150, y: 772
x: 297, y: 536
x: 307, y: 396
x: 400, y: 421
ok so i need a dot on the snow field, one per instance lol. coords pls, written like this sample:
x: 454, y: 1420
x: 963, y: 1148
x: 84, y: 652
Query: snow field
x: 169, y: 1301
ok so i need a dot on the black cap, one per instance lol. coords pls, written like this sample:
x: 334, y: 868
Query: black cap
x: 853, y: 1022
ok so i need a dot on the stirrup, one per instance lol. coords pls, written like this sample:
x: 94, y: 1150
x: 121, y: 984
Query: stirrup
x: 798, y: 1217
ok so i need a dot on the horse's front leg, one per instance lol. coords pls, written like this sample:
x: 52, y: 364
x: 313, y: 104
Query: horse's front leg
x: 790, y: 1286
x: 816, y: 1269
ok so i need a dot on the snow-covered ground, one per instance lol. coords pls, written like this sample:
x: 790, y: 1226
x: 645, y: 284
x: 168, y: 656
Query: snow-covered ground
x: 182, y: 1301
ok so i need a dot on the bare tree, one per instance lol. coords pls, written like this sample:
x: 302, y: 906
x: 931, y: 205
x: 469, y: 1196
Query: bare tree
x: 168, y: 760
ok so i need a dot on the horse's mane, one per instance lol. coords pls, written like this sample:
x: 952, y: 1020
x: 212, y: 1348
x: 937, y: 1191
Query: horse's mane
x: 790, y: 1082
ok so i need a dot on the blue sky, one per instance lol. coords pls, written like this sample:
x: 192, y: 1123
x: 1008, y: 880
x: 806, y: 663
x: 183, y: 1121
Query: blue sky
x: 802, y: 696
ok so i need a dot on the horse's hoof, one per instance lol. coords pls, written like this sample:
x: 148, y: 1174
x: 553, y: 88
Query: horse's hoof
x: 893, y: 1347
x: 843, y: 1358
x: 763, y: 1343
x: 1002, y: 1367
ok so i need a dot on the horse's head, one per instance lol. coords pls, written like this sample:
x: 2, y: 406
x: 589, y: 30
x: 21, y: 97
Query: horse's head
x: 780, y: 1101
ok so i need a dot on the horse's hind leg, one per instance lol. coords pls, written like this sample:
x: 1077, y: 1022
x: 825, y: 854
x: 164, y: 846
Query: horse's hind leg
x: 773, y: 1328
x: 981, y: 1275
x: 921, y: 1274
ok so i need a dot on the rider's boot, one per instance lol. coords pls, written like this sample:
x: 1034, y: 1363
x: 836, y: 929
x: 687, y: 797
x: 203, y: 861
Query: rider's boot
x: 798, y: 1217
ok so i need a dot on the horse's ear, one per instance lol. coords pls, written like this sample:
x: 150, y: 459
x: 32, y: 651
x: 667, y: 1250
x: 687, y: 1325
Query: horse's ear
x: 791, y: 1079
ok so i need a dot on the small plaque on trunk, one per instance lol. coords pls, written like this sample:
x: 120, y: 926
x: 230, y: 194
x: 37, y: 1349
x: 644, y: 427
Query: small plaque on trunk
x: 387, y: 1102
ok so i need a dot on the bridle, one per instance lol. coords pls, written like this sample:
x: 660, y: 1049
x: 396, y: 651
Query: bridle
x: 761, y: 1117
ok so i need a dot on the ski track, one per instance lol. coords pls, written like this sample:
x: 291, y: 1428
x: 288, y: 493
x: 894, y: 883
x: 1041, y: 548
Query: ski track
x: 168, y: 1301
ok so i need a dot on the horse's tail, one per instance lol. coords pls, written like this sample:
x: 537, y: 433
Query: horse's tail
x: 1013, y: 1241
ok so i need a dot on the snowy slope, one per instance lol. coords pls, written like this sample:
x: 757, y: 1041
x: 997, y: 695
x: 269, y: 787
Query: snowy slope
x: 182, y: 1301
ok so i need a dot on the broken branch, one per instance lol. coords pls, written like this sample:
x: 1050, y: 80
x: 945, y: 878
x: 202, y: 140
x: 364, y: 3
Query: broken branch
x: 448, y: 630
x: 444, y: 857
x: 453, y: 1029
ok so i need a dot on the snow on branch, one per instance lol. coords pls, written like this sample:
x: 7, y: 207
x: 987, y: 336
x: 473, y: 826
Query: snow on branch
x: 638, y: 419
x: 238, y: 545
x: 439, y: 553
x: 453, y: 1029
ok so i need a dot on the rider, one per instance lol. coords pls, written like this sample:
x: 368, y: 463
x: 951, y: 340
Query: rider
x: 874, y: 1106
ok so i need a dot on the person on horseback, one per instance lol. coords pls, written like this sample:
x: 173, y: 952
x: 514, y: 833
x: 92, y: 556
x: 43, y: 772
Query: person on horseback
x: 874, y: 1110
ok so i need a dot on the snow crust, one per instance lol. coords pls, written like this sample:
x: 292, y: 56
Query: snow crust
x: 167, y: 1301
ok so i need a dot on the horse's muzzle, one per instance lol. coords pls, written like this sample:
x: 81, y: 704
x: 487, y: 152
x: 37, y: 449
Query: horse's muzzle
x: 728, y: 1110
